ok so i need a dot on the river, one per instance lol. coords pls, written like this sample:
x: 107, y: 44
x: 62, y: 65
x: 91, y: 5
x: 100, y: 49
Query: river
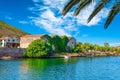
x: 82, y: 68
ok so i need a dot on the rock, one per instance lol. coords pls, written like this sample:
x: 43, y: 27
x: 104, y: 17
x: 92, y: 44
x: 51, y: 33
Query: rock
x: 6, y: 58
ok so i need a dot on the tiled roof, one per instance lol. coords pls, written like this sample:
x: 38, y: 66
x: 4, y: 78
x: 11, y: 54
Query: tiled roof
x: 40, y: 35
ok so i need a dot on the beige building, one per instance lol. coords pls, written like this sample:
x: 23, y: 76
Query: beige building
x: 26, y: 40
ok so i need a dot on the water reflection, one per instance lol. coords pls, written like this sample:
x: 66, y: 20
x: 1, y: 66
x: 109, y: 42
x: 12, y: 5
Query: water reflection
x: 98, y: 68
x: 49, y: 69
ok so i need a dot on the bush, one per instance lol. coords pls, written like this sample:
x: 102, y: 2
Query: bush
x: 38, y: 48
x: 64, y: 41
x: 56, y: 40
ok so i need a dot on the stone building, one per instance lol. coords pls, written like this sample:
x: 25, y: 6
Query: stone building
x: 71, y: 42
x: 27, y: 39
x: 10, y: 42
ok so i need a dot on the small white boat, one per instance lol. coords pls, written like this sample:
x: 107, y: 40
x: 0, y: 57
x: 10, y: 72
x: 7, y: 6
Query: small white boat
x: 66, y: 57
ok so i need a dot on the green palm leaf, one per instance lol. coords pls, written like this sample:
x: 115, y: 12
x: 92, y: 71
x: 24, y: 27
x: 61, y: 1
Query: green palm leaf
x: 69, y: 5
x: 98, y: 8
x: 81, y: 6
x: 113, y: 12
x: 100, y: 5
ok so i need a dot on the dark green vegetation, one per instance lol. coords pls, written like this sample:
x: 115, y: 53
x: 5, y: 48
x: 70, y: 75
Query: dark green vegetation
x: 8, y: 30
x: 38, y: 48
x: 60, y: 43
x: 115, y: 8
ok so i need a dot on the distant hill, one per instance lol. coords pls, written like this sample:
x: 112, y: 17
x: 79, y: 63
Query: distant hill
x: 8, y: 30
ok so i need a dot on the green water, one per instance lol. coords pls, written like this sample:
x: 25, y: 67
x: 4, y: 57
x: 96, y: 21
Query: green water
x: 98, y: 68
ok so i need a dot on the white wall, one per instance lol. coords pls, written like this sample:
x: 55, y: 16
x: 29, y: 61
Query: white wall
x: 3, y: 43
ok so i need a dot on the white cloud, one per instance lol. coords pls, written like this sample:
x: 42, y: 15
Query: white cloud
x: 23, y: 22
x: 50, y: 28
x: 49, y: 17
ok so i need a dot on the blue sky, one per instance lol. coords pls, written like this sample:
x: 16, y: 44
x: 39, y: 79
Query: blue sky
x: 44, y: 17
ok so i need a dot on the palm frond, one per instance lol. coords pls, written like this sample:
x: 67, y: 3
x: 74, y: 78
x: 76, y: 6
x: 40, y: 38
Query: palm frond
x: 113, y: 12
x: 69, y: 5
x: 100, y: 5
x: 81, y: 6
x: 98, y: 8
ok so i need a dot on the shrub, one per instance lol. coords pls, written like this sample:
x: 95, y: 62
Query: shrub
x: 38, y: 48
x: 56, y: 40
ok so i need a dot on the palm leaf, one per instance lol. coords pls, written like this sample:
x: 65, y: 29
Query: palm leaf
x: 81, y: 6
x: 113, y: 12
x: 83, y: 3
x: 98, y: 8
x: 69, y: 5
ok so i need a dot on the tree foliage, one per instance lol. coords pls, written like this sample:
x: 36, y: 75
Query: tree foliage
x: 56, y: 40
x: 60, y: 43
x: 38, y: 48
x: 64, y: 41
x: 106, y: 44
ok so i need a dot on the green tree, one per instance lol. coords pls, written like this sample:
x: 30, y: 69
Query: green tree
x: 56, y: 40
x: 99, y: 6
x: 106, y: 44
x: 76, y: 49
x: 118, y: 50
x: 96, y: 47
x: 38, y: 48
x: 64, y: 41
x: 87, y: 46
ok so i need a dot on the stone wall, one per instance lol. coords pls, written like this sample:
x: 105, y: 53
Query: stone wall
x: 24, y: 42
x: 13, y: 52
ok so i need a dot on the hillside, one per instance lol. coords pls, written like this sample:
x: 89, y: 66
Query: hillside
x: 8, y: 30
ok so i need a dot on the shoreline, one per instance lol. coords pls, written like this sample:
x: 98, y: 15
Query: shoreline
x: 71, y: 55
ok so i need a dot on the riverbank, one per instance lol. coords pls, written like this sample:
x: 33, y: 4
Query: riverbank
x: 17, y: 53
x: 63, y: 55
x: 83, y: 55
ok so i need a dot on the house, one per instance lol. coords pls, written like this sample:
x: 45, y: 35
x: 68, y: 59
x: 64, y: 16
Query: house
x: 27, y: 39
x: 10, y: 42
x: 71, y: 43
